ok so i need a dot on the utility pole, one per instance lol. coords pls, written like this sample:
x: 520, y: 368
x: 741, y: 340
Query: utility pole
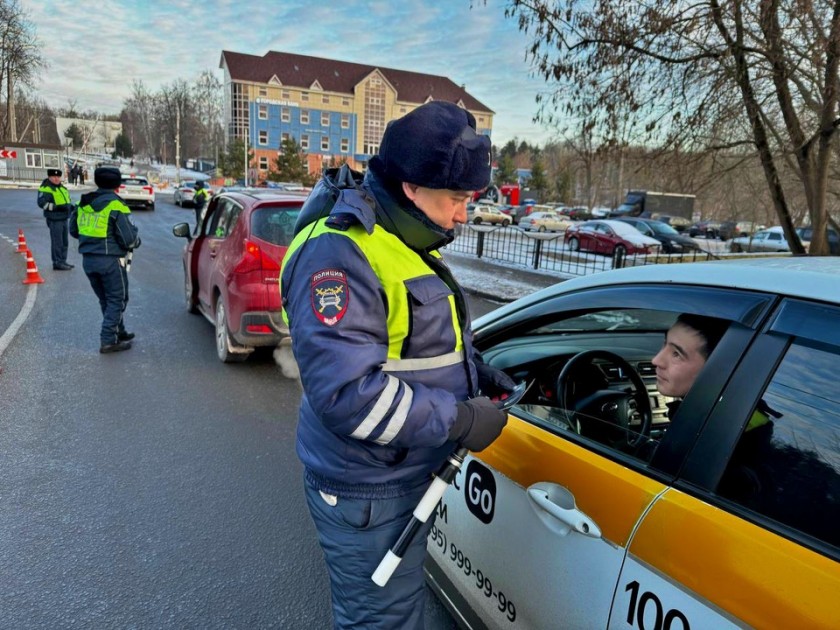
x: 178, y: 145
x: 246, y: 156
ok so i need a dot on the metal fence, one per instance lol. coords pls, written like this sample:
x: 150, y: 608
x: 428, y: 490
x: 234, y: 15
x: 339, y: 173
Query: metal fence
x: 547, y: 251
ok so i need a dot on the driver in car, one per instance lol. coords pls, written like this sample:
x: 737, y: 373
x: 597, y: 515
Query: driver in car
x: 688, y: 344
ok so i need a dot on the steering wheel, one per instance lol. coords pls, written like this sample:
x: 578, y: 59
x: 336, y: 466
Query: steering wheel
x: 605, y: 413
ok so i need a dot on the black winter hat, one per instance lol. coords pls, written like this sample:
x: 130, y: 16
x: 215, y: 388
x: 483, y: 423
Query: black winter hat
x: 436, y: 146
x: 53, y: 172
x: 199, y: 185
x: 107, y: 177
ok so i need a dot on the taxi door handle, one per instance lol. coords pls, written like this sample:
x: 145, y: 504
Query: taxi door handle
x: 559, y: 503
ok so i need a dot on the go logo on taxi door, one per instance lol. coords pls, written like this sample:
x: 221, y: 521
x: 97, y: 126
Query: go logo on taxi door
x: 480, y: 491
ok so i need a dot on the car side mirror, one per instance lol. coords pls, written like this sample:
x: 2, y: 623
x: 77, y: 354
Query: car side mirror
x: 182, y: 230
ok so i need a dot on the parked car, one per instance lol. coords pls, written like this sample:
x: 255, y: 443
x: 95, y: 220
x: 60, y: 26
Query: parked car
x: 601, y: 212
x: 709, y: 229
x: 545, y: 222
x: 489, y: 214
x: 137, y: 192
x: 672, y: 241
x: 516, y: 212
x: 232, y: 267
x: 806, y: 233
x: 580, y: 213
x: 731, y: 229
x: 608, y: 236
x: 183, y: 194
x: 769, y: 240
x: 528, y: 209
x: 597, y: 507
x: 680, y: 224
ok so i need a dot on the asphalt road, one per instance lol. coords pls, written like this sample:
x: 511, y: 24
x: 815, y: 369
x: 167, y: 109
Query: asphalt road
x: 154, y: 488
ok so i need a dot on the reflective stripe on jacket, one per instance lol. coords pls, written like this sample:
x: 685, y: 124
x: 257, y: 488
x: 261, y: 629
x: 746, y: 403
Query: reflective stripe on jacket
x: 57, y: 195
x: 382, y: 377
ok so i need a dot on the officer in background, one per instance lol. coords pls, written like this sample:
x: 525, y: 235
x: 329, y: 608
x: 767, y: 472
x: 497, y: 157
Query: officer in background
x: 54, y: 200
x: 381, y: 334
x: 106, y: 235
x: 199, y: 200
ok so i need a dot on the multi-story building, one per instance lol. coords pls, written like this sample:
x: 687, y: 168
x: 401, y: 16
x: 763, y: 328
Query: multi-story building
x: 336, y: 110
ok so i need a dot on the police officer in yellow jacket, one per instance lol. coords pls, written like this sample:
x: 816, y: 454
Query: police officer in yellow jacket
x: 381, y: 332
x: 106, y: 236
x: 54, y: 200
x: 199, y: 200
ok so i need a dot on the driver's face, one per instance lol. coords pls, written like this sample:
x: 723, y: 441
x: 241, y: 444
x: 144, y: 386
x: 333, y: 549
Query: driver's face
x: 679, y: 362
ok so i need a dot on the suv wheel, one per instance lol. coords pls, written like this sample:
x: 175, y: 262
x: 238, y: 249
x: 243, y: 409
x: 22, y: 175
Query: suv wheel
x: 477, y: 220
x: 223, y: 341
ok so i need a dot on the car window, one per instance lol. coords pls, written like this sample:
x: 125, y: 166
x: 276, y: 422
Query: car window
x: 217, y: 225
x: 774, y: 236
x: 786, y: 465
x: 274, y: 224
x: 589, y: 400
x: 642, y: 227
x: 134, y: 181
x: 661, y: 228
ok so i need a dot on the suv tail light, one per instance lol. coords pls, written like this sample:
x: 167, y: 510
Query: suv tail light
x: 148, y: 189
x: 254, y: 259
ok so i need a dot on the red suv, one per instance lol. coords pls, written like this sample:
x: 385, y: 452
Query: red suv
x: 232, y: 267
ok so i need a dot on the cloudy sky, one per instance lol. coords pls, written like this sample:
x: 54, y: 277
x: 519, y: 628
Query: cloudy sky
x: 95, y: 51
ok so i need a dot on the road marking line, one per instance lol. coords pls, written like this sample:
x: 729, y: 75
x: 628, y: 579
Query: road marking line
x: 10, y: 333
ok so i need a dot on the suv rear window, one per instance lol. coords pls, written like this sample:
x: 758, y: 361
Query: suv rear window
x: 274, y: 224
x: 135, y: 181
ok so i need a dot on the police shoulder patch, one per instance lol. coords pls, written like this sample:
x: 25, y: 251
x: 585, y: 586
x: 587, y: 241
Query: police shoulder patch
x: 329, y: 294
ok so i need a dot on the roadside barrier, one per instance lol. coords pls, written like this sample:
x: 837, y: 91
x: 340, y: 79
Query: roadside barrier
x: 32, y: 275
x: 22, y: 247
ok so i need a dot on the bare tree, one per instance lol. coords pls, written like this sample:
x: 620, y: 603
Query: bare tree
x: 710, y: 74
x: 208, y: 104
x: 139, y: 121
x: 19, y: 59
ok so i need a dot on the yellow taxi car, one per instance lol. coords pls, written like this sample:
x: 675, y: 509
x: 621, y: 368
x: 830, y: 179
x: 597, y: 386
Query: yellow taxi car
x: 607, y: 503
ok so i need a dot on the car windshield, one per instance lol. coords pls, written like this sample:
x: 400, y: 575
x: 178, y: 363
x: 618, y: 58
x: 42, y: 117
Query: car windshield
x: 275, y: 224
x: 134, y: 181
x: 661, y: 228
x: 638, y: 320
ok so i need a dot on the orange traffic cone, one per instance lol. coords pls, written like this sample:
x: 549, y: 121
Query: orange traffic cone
x: 21, y: 242
x: 32, y: 275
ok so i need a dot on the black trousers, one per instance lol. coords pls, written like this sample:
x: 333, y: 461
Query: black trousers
x: 109, y: 281
x: 58, y: 240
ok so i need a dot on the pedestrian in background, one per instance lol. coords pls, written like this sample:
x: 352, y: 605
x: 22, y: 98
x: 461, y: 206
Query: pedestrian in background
x: 54, y: 200
x: 199, y: 200
x: 106, y: 234
x: 381, y: 334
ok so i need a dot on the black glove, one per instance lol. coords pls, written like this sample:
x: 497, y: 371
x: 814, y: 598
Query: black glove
x: 492, y: 381
x: 477, y: 424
